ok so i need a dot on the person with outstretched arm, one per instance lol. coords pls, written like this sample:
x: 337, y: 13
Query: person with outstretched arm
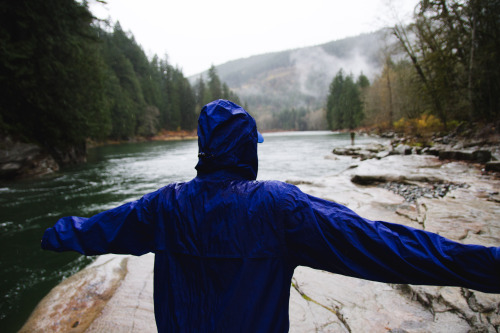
x: 226, y: 245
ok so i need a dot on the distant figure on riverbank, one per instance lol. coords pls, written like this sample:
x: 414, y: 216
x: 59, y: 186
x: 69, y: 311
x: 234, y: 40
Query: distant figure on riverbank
x: 353, y: 134
x: 226, y: 245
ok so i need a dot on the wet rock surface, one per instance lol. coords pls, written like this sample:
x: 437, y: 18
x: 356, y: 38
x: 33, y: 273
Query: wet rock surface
x: 24, y: 160
x: 452, y: 198
x: 113, y: 294
x: 365, y: 152
x: 451, y: 147
x: 75, y: 303
x: 28, y: 160
x: 493, y: 166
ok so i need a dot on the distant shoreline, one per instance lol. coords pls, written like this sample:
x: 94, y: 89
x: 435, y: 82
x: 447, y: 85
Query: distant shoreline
x: 163, y: 135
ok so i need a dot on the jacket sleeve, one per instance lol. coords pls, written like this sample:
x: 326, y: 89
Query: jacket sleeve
x: 328, y: 236
x: 127, y: 229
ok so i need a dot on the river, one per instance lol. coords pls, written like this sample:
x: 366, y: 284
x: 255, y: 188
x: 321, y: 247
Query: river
x: 114, y: 175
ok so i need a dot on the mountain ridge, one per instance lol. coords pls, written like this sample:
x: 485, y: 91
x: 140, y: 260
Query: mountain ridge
x: 299, y: 78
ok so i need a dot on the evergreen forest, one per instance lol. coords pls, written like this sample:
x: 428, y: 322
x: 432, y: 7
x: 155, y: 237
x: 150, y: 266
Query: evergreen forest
x: 68, y: 78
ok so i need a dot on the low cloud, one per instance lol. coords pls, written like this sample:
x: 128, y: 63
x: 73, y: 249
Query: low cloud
x: 315, y: 68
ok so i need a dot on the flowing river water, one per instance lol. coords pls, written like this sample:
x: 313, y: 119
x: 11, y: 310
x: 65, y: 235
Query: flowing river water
x: 114, y: 175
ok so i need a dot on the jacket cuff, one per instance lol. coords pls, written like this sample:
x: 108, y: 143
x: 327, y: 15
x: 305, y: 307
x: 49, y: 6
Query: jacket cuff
x: 46, y: 244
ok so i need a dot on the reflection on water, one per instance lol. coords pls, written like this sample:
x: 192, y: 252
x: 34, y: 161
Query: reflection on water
x: 115, y: 175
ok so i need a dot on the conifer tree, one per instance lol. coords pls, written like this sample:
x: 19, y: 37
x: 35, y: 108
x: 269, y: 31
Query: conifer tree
x: 214, y: 84
x: 334, y: 110
x: 344, y: 103
x: 200, y: 93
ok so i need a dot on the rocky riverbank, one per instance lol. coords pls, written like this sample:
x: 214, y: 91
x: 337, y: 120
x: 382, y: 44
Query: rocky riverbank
x: 28, y: 160
x: 18, y: 160
x: 457, y: 199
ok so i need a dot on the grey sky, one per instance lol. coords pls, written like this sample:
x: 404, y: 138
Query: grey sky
x: 198, y: 33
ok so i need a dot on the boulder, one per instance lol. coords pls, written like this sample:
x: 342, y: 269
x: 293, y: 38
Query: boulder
x: 363, y: 152
x: 493, y: 166
x: 480, y: 156
x: 431, y: 151
x: 24, y: 160
x: 402, y: 150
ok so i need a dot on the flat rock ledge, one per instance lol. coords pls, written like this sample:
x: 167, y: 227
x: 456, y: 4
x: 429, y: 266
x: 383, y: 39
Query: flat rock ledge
x: 115, y: 293
x: 488, y: 154
x: 18, y: 160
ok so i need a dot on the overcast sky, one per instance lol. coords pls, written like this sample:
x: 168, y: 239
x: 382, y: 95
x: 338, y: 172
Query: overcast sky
x: 198, y: 33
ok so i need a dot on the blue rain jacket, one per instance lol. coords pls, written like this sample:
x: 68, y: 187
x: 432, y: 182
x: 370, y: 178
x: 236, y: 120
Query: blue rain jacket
x: 226, y: 245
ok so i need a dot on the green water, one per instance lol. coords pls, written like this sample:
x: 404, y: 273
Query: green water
x: 112, y: 176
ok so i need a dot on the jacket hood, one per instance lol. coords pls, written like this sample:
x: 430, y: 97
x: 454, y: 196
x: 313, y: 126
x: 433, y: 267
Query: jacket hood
x: 227, y: 140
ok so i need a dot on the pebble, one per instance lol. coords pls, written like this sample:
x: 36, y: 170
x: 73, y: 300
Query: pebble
x: 412, y: 192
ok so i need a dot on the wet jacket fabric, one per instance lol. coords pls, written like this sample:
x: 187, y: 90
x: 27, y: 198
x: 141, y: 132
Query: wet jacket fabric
x: 226, y: 245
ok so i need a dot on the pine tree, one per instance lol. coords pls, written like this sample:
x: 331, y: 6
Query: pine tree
x: 344, y: 103
x: 51, y: 74
x: 352, y: 106
x: 334, y: 112
x: 214, y: 84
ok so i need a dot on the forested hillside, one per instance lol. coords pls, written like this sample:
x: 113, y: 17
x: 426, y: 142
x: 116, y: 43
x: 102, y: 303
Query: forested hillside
x: 288, y: 89
x: 433, y: 74
x: 67, y: 78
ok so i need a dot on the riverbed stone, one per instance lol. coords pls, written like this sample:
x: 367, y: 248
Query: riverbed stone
x: 19, y: 159
x: 396, y: 168
x: 75, y: 303
x: 364, y: 306
x: 403, y: 150
x: 478, y: 155
x: 131, y: 309
x: 482, y: 156
x: 363, y: 152
x: 493, y: 166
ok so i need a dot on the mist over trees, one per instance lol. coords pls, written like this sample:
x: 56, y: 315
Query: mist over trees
x: 443, y: 72
x: 66, y: 78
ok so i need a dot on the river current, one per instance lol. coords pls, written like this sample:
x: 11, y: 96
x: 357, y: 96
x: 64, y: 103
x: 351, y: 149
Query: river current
x: 114, y: 175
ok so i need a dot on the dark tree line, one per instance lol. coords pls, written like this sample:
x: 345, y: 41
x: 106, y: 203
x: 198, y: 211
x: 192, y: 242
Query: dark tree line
x: 344, y: 106
x: 143, y: 96
x: 66, y: 78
